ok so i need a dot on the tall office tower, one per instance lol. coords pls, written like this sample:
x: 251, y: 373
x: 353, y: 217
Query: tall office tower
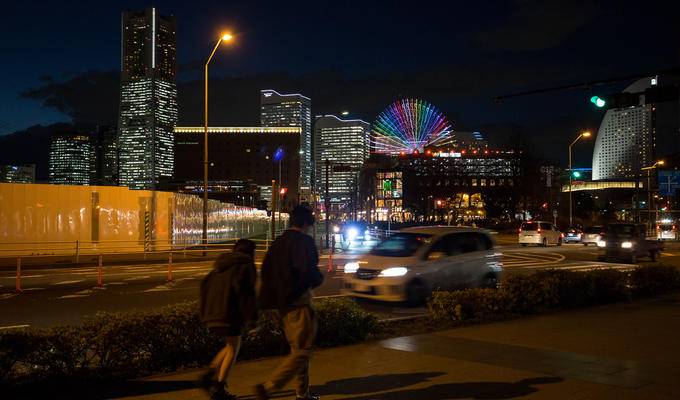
x: 148, y: 98
x: 106, y: 151
x: 72, y: 159
x: 17, y: 173
x: 281, y: 110
x: 343, y: 142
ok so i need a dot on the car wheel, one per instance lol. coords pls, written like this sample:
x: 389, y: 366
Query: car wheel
x: 416, y: 293
x: 490, y: 281
x: 585, y: 244
x: 653, y: 255
x: 545, y: 242
x: 524, y: 245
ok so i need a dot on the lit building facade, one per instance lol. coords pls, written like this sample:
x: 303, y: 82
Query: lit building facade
x: 634, y: 136
x: 72, y: 159
x: 17, y: 173
x: 106, y: 149
x: 244, y: 154
x: 148, y: 99
x: 342, y: 142
x: 291, y: 110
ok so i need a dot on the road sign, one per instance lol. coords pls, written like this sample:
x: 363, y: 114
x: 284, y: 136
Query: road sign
x: 669, y: 182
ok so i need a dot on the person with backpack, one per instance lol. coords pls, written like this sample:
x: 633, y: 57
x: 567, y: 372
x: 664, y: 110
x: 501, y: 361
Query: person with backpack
x: 289, y: 272
x: 227, y: 304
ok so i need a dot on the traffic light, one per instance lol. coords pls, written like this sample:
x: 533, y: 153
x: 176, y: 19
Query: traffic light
x: 598, y: 101
x: 283, y: 191
x: 575, y: 174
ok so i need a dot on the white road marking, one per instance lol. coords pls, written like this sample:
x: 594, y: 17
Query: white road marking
x: 14, y: 327
x: 72, y: 296
x: 138, y: 278
x: 331, y: 296
x: 6, y: 296
x: 68, y: 282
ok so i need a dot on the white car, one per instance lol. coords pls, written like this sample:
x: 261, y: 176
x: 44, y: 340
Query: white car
x: 592, y: 234
x: 412, y: 263
x: 540, y: 233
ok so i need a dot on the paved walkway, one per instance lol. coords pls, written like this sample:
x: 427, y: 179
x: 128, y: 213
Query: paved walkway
x: 622, y: 351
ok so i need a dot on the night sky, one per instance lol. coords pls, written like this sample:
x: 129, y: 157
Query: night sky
x: 60, y: 60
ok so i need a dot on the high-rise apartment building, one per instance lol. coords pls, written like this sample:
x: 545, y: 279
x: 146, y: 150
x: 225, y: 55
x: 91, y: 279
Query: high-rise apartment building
x: 291, y: 110
x: 72, y: 159
x: 344, y: 143
x: 148, y: 98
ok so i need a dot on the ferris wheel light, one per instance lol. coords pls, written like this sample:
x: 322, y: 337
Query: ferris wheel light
x: 409, y: 126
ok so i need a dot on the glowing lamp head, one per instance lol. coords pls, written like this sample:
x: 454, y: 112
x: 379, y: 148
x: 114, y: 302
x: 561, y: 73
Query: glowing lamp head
x: 227, y: 37
x: 586, y: 134
x: 660, y: 162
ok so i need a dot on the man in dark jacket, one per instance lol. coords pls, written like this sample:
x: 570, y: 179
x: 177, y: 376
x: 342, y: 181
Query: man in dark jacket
x: 227, y: 304
x: 289, y: 272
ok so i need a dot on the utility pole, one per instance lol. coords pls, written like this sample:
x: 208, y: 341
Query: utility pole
x: 273, y: 207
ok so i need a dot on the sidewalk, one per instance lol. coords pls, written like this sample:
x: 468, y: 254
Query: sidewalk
x: 621, y: 351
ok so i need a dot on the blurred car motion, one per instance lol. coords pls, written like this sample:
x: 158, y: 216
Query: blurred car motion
x: 412, y: 263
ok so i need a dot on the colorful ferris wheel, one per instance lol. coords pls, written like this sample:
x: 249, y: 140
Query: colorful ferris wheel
x: 408, y: 126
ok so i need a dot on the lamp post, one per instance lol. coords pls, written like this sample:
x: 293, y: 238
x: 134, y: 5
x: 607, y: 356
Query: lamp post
x: 585, y: 134
x: 224, y: 38
x: 649, y: 191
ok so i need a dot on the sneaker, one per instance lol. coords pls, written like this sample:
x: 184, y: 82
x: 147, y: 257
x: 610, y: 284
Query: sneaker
x: 261, y: 393
x: 206, y: 380
x: 218, y: 392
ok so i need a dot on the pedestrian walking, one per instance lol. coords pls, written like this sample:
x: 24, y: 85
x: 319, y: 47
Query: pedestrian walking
x: 289, y: 272
x: 228, y: 303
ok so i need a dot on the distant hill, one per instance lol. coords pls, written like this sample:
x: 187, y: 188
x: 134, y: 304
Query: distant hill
x: 31, y: 146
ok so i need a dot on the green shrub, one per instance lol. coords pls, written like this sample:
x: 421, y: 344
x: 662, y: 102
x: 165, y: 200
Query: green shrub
x: 553, y: 289
x: 124, y: 345
x: 655, y: 279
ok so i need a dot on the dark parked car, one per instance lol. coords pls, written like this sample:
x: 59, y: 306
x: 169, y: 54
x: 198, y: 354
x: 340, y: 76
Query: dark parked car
x: 627, y: 242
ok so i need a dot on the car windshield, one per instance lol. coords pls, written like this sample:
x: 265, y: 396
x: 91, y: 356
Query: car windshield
x: 666, y: 227
x: 593, y: 229
x: 622, y: 230
x: 529, y: 226
x: 400, y: 245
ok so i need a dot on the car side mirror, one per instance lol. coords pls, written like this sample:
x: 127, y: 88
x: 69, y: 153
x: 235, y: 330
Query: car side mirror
x: 435, y: 255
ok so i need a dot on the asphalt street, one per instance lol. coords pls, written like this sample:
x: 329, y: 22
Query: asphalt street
x: 57, y: 295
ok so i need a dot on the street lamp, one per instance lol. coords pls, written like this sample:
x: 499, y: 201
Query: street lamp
x: 649, y: 190
x: 226, y: 37
x: 585, y: 134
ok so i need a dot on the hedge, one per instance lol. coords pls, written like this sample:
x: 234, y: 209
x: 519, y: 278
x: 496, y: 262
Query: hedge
x: 133, y: 344
x: 553, y: 289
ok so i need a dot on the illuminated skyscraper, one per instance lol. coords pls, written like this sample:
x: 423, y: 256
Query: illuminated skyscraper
x: 148, y: 98
x: 281, y: 110
x: 343, y: 142
x: 72, y: 158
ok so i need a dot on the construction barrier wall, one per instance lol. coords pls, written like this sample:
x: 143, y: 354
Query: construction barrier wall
x: 56, y: 219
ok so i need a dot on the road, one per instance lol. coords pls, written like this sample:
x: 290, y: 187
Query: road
x: 65, y: 295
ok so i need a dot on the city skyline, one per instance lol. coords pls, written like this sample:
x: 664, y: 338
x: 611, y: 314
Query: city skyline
x: 464, y: 96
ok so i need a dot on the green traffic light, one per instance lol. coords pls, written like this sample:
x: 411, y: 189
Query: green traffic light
x: 576, y: 174
x: 598, y: 101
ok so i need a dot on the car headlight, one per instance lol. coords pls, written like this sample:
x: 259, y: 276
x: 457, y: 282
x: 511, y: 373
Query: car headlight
x: 396, y: 271
x: 601, y: 243
x: 351, y: 267
x: 352, y: 233
x: 626, y: 245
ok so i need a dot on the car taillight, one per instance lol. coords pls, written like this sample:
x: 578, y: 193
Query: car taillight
x: 579, y: 236
x: 561, y: 235
x: 539, y: 230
